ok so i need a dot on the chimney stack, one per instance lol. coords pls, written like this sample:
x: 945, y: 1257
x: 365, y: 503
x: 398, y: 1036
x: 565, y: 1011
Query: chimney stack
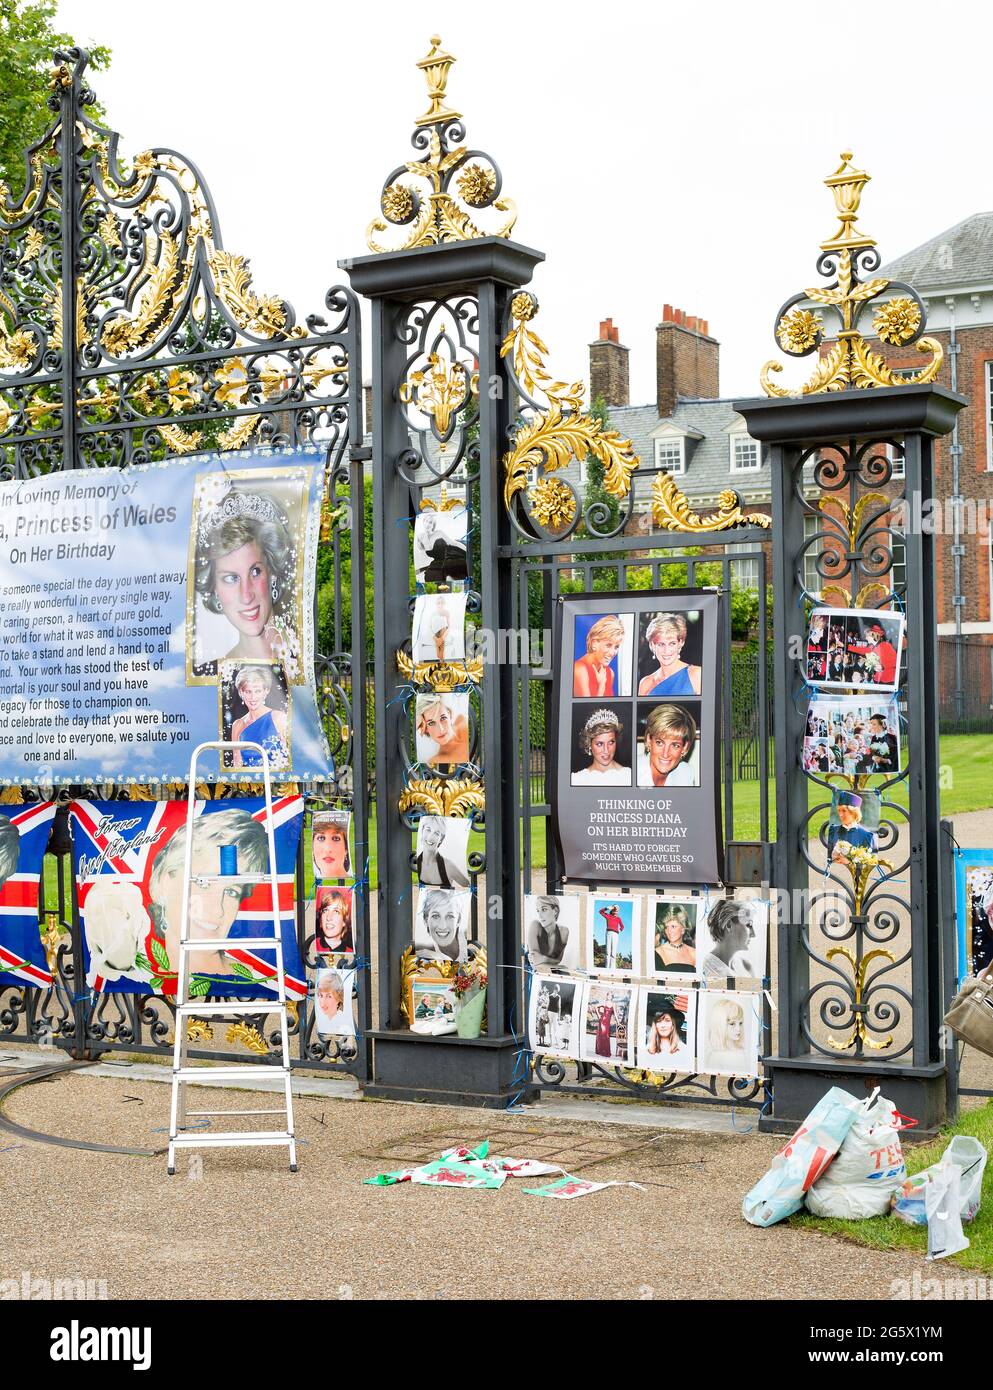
x: 609, y: 367
x: 687, y: 359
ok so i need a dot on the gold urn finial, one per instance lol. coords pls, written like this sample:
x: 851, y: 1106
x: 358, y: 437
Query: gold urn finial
x: 847, y: 183
x: 435, y: 65
x: 845, y: 360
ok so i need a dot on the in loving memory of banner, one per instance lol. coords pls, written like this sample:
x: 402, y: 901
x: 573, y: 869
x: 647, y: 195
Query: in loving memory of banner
x: 129, y: 859
x: 636, y: 792
x: 147, y: 610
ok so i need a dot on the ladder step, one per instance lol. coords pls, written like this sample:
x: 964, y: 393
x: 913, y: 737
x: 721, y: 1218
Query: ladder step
x: 232, y: 1139
x: 242, y: 1006
x: 239, y: 1073
x: 237, y: 942
x: 201, y: 1113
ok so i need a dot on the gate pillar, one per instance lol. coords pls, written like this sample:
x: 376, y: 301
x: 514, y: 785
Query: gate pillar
x: 442, y: 409
x: 859, y: 939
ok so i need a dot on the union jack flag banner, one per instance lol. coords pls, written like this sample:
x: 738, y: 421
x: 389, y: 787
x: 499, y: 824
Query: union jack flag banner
x: 128, y: 860
x: 23, y: 841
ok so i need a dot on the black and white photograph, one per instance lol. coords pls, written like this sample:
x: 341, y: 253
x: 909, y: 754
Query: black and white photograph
x: 733, y: 940
x: 607, y: 1032
x: 330, y: 845
x: 670, y: 654
x: 674, y: 924
x: 441, y: 729
x: 668, y: 742
x: 667, y: 1029
x: 554, y: 1011
x: 440, y: 545
x: 334, y: 1014
x: 553, y: 930
x: 728, y: 1030
x: 601, y: 745
x: 854, y: 648
x: 442, y: 855
x: 852, y: 734
x: 439, y: 627
x: 245, y: 581
x: 441, y: 923
x: 255, y: 708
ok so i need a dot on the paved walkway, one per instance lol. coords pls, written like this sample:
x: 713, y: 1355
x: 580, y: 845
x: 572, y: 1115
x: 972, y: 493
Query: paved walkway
x: 248, y: 1226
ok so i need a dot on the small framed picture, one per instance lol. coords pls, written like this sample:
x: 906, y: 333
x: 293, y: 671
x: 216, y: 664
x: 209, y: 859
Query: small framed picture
x: 608, y: 1024
x: 733, y: 940
x: 334, y: 990
x: 854, y: 648
x: 333, y: 921
x: 728, y: 1033
x: 552, y: 930
x: 255, y: 708
x: 974, y: 910
x: 431, y: 1003
x: 441, y: 730
x: 440, y: 545
x: 442, y: 857
x: 553, y: 1014
x: 674, y: 923
x: 330, y: 835
x: 441, y: 923
x: 439, y: 628
x: 667, y: 1029
x: 613, y: 930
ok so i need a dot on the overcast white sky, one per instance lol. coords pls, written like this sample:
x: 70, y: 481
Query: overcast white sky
x: 656, y: 154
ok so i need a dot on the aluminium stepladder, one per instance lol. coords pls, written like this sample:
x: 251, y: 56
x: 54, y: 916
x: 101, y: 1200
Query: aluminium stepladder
x: 184, y: 1075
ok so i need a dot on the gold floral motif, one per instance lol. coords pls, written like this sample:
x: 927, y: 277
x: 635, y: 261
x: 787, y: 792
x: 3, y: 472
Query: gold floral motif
x: 6, y: 415
x: 440, y: 391
x: 17, y: 349
x: 476, y: 185
x: 672, y: 512
x: 854, y: 517
x: 264, y: 315
x: 33, y: 243
x: 897, y: 320
x: 798, y: 331
x: 179, y: 389
x: 51, y: 937
x: 199, y: 1030
x: 398, y: 203
x: 232, y: 382
x: 237, y: 434
x: 248, y: 1036
x: 179, y: 440
x: 441, y: 676
x: 110, y: 232
x: 867, y: 597
x: 851, y: 363
x: 551, y: 503
x: 859, y: 967
x: 457, y: 796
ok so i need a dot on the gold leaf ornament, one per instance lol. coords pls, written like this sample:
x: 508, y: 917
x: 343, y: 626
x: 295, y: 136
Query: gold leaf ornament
x: 671, y: 510
x: 798, y: 330
x: 551, y: 503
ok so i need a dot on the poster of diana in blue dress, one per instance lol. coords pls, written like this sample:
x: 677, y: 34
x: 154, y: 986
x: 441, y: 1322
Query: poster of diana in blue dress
x: 147, y: 611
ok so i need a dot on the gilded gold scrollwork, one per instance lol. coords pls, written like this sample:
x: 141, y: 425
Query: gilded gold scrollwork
x: 442, y: 676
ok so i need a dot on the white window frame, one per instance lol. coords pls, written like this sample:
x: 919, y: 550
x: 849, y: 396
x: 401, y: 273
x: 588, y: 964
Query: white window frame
x: 733, y: 465
x: 666, y: 441
x: 811, y: 524
x: 898, y: 462
x: 989, y: 415
x: 752, y: 562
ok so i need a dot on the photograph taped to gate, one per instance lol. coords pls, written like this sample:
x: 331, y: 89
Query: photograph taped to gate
x: 442, y: 918
x: 732, y: 940
x: 667, y: 1029
x: 334, y: 1014
x: 255, y: 701
x: 974, y: 910
x: 608, y: 1024
x: 855, y: 648
x: 440, y: 545
x: 552, y: 930
x: 613, y: 935
x: 330, y: 844
x: 442, y: 856
x: 333, y: 921
x: 856, y: 735
x: 555, y: 1015
x: 728, y: 1033
x: 439, y: 627
x: 607, y: 643
x: 441, y: 730
x: 852, y: 823
x: 674, y: 926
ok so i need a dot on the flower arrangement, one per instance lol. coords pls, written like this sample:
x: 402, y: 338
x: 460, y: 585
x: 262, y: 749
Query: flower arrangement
x: 873, y: 662
x: 468, y: 979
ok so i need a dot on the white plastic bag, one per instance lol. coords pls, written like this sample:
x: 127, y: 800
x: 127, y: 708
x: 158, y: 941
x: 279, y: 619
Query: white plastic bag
x: 869, y: 1167
x: 941, y: 1203
x: 965, y: 1153
x: 802, y: 1160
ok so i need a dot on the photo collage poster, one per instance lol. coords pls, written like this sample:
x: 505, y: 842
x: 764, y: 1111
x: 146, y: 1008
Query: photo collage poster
x: 637, y: 676
x: 620, y: 978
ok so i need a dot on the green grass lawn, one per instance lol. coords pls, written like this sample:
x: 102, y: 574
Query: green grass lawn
x: 887, y: 1233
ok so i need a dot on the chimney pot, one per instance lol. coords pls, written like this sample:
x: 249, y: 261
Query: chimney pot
x: 667, y: 313
x: 691, y: 323
x: 679, y: 316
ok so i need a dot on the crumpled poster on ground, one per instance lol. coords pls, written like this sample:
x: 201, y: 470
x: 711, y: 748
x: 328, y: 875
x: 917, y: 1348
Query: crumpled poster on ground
x: 466, y: 1167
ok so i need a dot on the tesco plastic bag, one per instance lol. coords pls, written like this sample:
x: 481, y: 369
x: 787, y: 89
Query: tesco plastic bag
x: 802, y: 1160
x: 869, y: 1167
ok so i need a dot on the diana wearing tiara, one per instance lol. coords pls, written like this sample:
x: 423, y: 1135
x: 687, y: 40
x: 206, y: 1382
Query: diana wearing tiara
x: 598, y: 738
x: 244, y: 572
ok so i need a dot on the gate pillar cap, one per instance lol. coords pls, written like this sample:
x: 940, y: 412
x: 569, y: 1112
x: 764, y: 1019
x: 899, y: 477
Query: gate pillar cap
x: 449, y: 267
x: 886, y: 411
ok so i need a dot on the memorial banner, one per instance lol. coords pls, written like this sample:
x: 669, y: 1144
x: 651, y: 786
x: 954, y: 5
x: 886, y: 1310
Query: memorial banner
x: 147, y: 610
x: 129, y: 858
x: 637, y: 676
x: 24, y: 836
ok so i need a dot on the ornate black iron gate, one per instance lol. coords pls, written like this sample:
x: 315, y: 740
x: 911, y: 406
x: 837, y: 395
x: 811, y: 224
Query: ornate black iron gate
x: 129, y: 334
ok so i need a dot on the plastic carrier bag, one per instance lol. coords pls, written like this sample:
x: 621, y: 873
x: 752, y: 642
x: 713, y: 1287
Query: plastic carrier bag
x: 869, y: 1167
x: 966, y: 1153
x: 802, y: 1160
x: 942, y: 1196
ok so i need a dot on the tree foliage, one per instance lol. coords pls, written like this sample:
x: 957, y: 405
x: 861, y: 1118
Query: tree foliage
x: 28, y: 39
